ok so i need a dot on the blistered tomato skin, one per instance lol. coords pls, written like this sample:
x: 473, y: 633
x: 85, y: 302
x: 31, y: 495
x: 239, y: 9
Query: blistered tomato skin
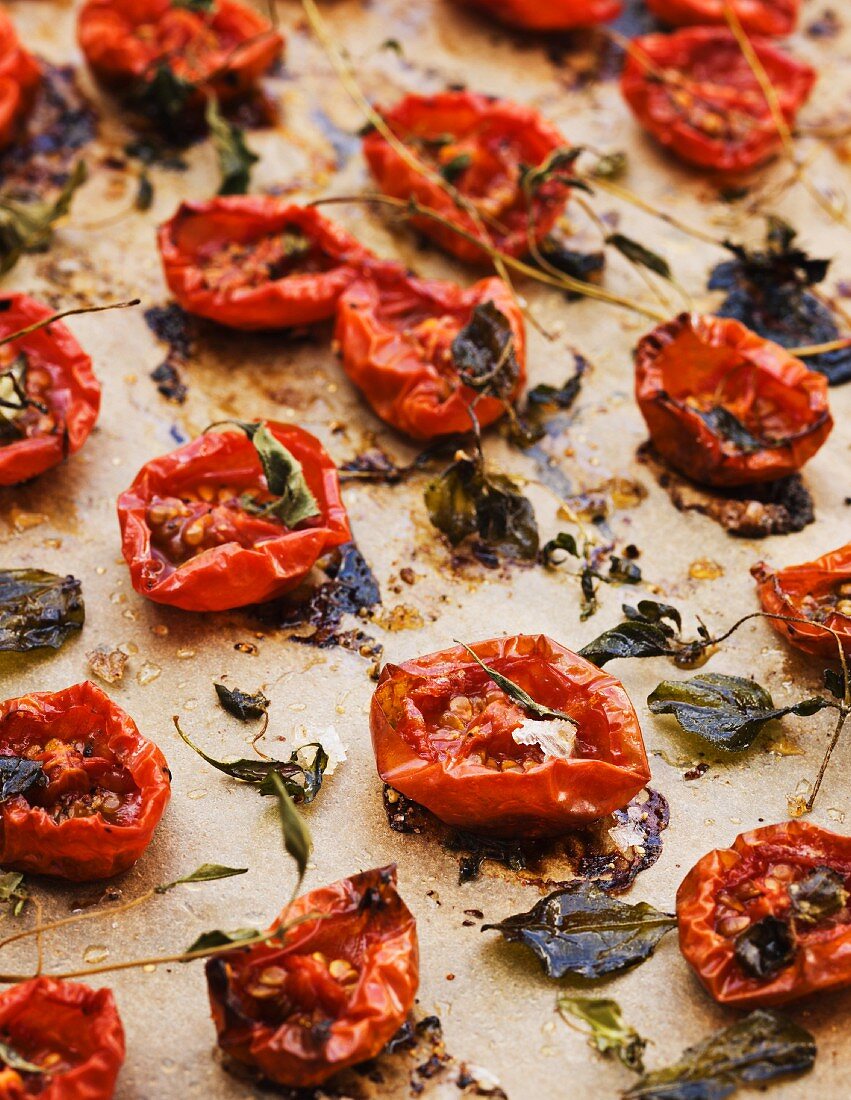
x: 444, y: 735
x: 59, y: 378
x: 332, y: 995
x: 73, y: 1031
x: 395, y: 334
x: 20, y: 76
x: 818, y: 591
x: 482, y: 146
x: 730, y: 889
x: 255, y: 262
x: 696, y: 93
x: 698, y: 367
x: 769, y: 17
x: 190, y: 543
x: 549, y: 15
x: 103, y: 791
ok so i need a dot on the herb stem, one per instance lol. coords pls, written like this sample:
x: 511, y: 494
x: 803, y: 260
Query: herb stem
x: 821, y: 349
x: 46, y: 321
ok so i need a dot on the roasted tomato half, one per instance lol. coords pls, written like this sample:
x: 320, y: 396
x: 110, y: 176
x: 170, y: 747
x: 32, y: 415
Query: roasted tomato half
x: 71, y: 1032
x: 445, y: 735
x: 224, y: 45
x: 85, y: 790
x: 255, y: 262
x: 483, y: 147
x: 331, y: 994
x: 818, y: 591
x: 697, y: 95
x: 726, y: 407
x: 193, y: 527
x: 770, y: 17
x: 20, y: 76
x: 49, y: 397
x: 768, y: 920
x: 396, y: 335
x: 549, y: 15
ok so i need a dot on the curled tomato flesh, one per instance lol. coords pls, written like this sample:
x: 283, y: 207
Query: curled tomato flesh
x: 482, y: 146
x: 768, y: 17
x: 101, y: 792
x: 726, y: 407
x: 731, y: 890
x: 256, y: 262
x: 552, y: 15
x: 331, y: 993
x: 696, y: 93
x: 20, y: 77
x: 395, y: 334
x: 445, y: 735
x: 817, y: 591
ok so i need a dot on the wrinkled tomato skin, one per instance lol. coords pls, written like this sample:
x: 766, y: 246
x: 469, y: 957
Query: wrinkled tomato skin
x: 773, y: 18
x: 123, y: 40
x: 363, y: 921
x: 501, y: 137
x: 231, y: 575
x: 80, y: 848
x: 399, y: 379
x: 784, y: 592
x: 20, y: 76
x: 297, y: 299
x: 691, y: 357
x: 74, y: 397
x: 823, y: 959
x: 705, y: 78
x: 553, y: 797
x: 549, y: 15
x: 46, y: 1015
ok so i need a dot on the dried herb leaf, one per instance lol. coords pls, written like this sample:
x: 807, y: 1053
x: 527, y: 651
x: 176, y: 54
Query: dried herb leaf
x: 515, y: 692
x: 819, y: 894
x: 562, y: 541
x: 297, y: 839
x: 588, y: 267
x: 633, y: 638
x: 28, y: 226
x: 611, y: 166
x: 581, y: 930
x: 624, y: 571
x: 483, y: 352
x: 605, y: 1028
x: 725, y: 425
x: 200, y: 6
x: 10, y: 1057
x: 162, y: 97
x: 456, y: 167
x: 638, y: 254
x: 765, y: 948
x: 144, y: 192
x: 242, y: 704
x: 235, y: 158
x: 760, y: 1048
x: 17, y: 774
x: 38, y: 609
x: 216, y: 938
x: 834, y: 682
x: 207, y: 872
x: 532, y: 179
x: 13, y: 892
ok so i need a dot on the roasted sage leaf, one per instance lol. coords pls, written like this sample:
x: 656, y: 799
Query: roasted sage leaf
x: 28, y: 226
x: 216, y: 938
x: 38, y: 609
x: 297, y: 838
x: 483, y: 352
x: 285, y: 479
x: 235, y: 158
x: 17, y: 774
x: 207, y: 872
x: 605, y: 1028
x: 819, y: 894
x: 515, y: 692
x: 242, y: 704
x: 581, y: 930
x: 765, y: 948
x: 638, y: 254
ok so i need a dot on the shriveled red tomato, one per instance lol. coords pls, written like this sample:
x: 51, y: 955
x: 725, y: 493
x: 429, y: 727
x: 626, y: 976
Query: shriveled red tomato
x: 396, y: 335
x: 72, y: 1032
x: 726, y: 407
x: 770, y: 17
x: 257, y: 262
x: 20, y: 76
x: 85, y: 790
x: 192, y: 540
x: 225, y: 47
x: 445, y: 735
x: 768, y: 921
x: 483, y: 147
x: 819, y: 591
x: 549, y: 15
x: 698, y: 96
x: 332, y: 994
x: 49, y: 396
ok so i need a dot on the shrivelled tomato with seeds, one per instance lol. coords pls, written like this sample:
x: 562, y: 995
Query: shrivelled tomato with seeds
x: 485, y: 148
x: 69, y: 1034
x: 203, y: 530
x: 224, y: 47
x: 450, y: 738
x: 696, y: 93
x: 726, y: 407
x: 398, y: 337
x: 549, y: 15
x: 818, y: 591
x: 769, y: 17
x: 330, y: 993
x: 768, y: 920
x: 49, y: 396
x: 20, y: 76
x: 256, y: 262
x: 83, y: 790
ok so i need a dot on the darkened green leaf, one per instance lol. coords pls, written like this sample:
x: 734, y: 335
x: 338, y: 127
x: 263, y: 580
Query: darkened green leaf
x: 819, y: 894
x: 630, y: 639
x: 605, y: 1028
x: 638, y: 254
x: 589, y: 605
x: 28, y: 226
x: 207, y: 872
x: 10, y: 1057
x: 10, y: 884
x: 392, y: 44
x: 562, y: 541
x: 649, y: 611
x: 611, y: 166
x: 624, y: 570
x: 766, y: 948
x: 194, y: 5
x: 144, y: 192
x: 235, y: 158
x: 297, y: 839
x: 483, y: 352
x: 834, y: 681
x: 242, y: 704
x: 285, y: 480
x: 727, y: 711
x: 558, y: 165
x: 581, y: 930
x: 728, y: 427
x: 760, y: 1048
x: 456, y: 167
x: 17, y: 775
x: 515, y: 692
x: 163, y: 96
x: 38, y: 609
x: 216, y: 938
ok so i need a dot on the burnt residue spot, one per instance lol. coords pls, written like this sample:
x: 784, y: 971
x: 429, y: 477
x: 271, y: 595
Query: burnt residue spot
x: 588, y: 267
x: 171, y: 325
x: 827, y: 25
x: 697, y: 772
